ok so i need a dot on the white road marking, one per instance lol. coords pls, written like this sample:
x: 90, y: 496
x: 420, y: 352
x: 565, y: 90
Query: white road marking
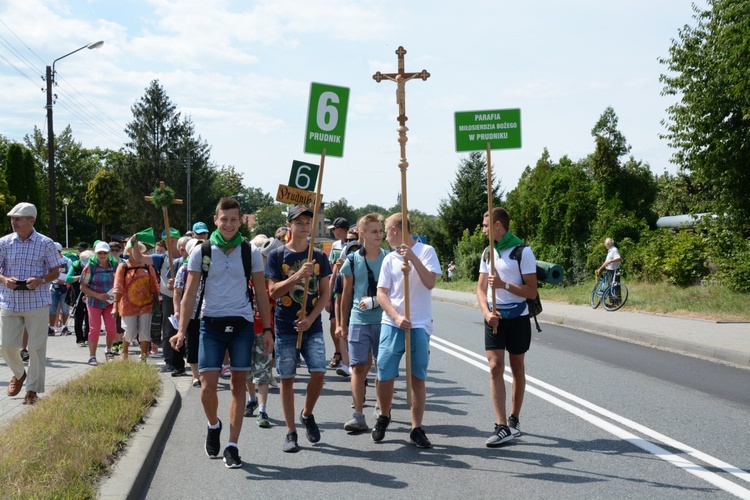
x: 676, y: 460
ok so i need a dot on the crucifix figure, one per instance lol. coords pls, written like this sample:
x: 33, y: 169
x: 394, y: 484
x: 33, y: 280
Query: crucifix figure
x: 401, y: 77
x: 165, y: 213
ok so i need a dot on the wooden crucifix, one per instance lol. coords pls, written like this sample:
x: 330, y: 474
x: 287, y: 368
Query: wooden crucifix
x: 401, y: 77
x: 165, y: 213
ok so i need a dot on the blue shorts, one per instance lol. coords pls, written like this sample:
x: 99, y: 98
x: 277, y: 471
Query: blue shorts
x: 287, y: 354
x: 363, y: 341
x: 58, y: 297
x: 392, y: 347
x: 214, y: 343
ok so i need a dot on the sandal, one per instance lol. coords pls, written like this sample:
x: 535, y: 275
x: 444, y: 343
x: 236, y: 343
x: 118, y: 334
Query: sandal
x: 335, y: 360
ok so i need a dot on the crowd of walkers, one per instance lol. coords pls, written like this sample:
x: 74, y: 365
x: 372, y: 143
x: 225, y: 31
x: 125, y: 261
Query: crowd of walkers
x: 251, y: 311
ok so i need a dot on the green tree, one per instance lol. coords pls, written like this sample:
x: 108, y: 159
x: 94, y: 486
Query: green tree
x: 524, y: 203
x: 371, y: 208
x: 104, y: 198
x: 672, y: 195
x: 23, y: 176
x: 467, y: 203
x: 253, y: 199
x: 7, y: 201
x: 341, y: 208
x: 268, y: 219
x: 710, y: 124
x: 610, y: 145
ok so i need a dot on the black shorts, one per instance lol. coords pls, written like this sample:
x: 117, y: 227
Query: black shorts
x: 513, y: 335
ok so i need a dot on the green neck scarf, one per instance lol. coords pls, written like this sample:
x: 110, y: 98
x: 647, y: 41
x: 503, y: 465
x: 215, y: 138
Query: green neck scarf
x: 509, y: 240
x: 218, y: 240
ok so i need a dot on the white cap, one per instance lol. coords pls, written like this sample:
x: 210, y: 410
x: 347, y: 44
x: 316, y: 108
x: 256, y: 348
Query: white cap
x: 23, y: 210
x: 191, y: 244
x: 58, y: 247
x: 102, y: 246
x: 269, y: 245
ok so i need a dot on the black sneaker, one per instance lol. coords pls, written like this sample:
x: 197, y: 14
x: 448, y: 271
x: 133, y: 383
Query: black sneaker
x: 290, y: 443
x: 378, y: 433
x: 178, y: 372
x: 514, y: 425
x: 24, y: 355
x: 50, y: 331
x: 232, y: 457
x: 313, y: 433
x: 65, y: 331
x: 501, y: 435
x: 250, y: 408
x: 213, y: 443
x: 418, y: 437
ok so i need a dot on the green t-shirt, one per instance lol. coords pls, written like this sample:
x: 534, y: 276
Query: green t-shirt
x: 362, y: 287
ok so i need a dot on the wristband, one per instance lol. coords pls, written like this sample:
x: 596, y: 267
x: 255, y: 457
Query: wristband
x: 268, y: 330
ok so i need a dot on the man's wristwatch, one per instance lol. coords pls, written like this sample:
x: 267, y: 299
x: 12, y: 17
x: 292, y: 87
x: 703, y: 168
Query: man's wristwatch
x: 507, y: 285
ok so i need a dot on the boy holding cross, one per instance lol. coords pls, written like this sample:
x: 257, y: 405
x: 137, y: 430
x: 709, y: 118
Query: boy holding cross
x: 288, y: 270
x: 424, y: 269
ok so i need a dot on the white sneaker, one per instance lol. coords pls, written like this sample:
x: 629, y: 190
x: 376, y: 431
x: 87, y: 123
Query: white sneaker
x: 92, y: 361
x: 344, y: 370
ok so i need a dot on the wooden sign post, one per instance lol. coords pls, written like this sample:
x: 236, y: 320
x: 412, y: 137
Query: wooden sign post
x: 165, y: 213
x: 401, y: 77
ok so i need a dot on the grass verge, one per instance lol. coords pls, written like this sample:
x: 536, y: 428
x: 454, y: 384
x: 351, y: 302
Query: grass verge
x: 64, y: 444
x: 711, y: 302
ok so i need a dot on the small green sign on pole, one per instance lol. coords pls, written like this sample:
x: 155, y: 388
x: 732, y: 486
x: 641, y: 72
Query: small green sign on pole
x: 326, y: 119
x: 500, y: 128
x: 304, y: 175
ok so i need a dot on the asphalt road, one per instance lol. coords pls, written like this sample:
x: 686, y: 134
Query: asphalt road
x: 602, y: 418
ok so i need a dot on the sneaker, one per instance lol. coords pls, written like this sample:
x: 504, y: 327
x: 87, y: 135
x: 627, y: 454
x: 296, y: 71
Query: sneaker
x: 313, y: 433
x: 116, y: 349
x: 378, y: 433
x: 50, y: 331
x: 65, y: 331
x: 232, y: 457
x: 501, y: 435
x: 290, y: 443
x: 272, y: 382
x: 344, y: 370
x: 178, y: 372
x: 376, y: 412
x: 356, y: 424
x: 514, y: 425
x: 92, y: 361
x: 262, y: 420
x: 213, y: 445
x: 226, y: 372
x: 419, y: 438
x: 109, y: 355
x: 24, y: 354
x: 250, y: 408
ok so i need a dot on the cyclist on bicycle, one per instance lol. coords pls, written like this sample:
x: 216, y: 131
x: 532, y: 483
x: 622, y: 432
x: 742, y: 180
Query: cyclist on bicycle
x: 612, y: 262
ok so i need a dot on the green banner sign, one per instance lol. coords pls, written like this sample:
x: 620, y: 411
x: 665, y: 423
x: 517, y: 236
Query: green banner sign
x: 501, y: 128
x: 304, y: 175
x: 326, y: 119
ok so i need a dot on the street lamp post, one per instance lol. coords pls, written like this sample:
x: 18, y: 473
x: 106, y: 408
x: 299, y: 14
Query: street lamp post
x: 50, y: 79
x: 66, y: 201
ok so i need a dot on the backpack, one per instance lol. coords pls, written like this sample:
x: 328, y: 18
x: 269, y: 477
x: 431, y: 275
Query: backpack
x: 535, y: 304
x: 247, y: 264
x: 372, y: 283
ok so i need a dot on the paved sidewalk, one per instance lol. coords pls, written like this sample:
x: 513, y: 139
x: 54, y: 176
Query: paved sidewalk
x: 721, y: 342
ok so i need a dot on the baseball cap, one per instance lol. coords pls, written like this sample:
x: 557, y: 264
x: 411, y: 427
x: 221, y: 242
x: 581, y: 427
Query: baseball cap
x: 58, y: 247
x: 340, y: 223
x: 23, y: 210
x: 298, y: 210
x: 200, y: 227
x: 83, y: 246
x: 269, y: 245
x: 102, y: 246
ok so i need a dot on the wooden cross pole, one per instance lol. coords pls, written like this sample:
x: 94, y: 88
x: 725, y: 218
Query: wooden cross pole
x: 303, y: 309
x: 490, y: 234
x: 165, y: 213
x: 401, y: 77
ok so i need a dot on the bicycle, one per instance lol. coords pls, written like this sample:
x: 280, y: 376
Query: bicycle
x: 613, y: 295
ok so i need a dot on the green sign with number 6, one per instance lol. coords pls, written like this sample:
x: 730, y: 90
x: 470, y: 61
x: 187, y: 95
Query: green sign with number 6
x: 304, y: 175
x: 326, y: 119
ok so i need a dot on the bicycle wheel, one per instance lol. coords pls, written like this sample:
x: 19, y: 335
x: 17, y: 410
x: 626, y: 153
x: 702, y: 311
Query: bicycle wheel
x: 612, y: 300
x: 596, y: 294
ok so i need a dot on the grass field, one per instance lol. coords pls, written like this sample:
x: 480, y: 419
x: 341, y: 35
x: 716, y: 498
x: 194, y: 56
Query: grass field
x: 711, y: 302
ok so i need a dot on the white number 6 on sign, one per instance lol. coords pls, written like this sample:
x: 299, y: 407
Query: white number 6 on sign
x: 303, y: 180
x: 327, y: 110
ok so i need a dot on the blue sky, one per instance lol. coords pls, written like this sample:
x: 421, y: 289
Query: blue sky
x: 242, y: 71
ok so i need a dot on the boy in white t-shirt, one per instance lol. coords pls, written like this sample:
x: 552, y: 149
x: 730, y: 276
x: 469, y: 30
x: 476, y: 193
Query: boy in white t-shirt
x: 425, y: 269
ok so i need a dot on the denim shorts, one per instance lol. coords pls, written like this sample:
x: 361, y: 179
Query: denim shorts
x: 392, y: 348
x: 58, y: 297
x: 287, y: 354
x: 363, y: 341
x: 214, y: 343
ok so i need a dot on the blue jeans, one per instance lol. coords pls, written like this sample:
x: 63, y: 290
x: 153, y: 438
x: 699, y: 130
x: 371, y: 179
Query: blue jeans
x: 287, y: 354
x: 214, y: 343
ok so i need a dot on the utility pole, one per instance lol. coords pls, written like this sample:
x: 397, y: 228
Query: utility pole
x: 52, y: 232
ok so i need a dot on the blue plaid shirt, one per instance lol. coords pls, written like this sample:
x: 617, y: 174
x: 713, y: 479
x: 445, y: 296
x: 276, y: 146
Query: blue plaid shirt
x: 23, y: 260
x: 100, y: 280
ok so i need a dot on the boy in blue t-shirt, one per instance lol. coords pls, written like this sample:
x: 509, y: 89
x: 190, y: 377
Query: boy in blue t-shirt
x: 287, y: 270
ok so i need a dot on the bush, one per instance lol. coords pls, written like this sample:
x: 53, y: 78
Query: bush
x: 469, y: 254
x: 685, y: 262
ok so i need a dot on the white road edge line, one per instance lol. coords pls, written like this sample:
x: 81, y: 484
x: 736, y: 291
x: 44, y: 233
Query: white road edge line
x: 718, y: 481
